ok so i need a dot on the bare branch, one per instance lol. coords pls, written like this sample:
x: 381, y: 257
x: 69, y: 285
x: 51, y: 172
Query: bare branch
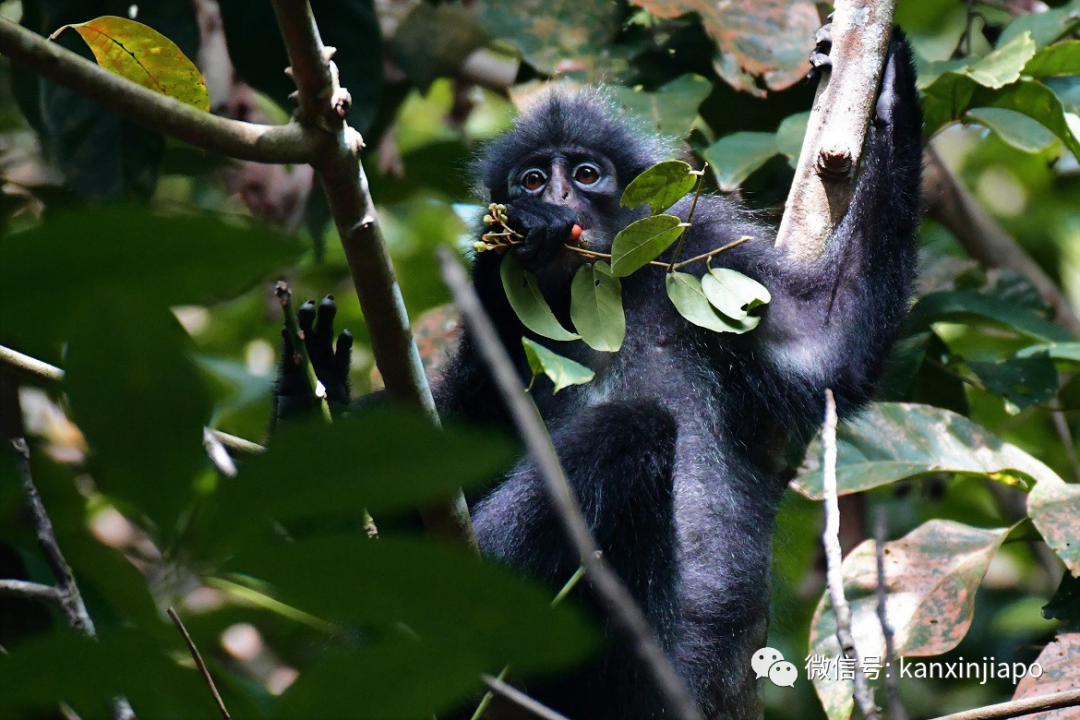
x: 1019, y: 708
x: 240, y: 140
x: 29, y: 590
x: 829, y: 162
x: 834, y: 559
x: 616, y: 599
x: 892, y: 679
x: 984, y: 239
x: 322, y: 103
x: 197, y: 657
x: 531, y: 707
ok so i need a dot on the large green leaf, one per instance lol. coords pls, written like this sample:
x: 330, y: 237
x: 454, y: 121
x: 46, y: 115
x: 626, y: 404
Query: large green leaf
x: 562, y: 371
x: 1004, y: 64
x: 690, y: 300
x: 528, y: 302
x: 383, y: 459
x: 641, y: 242
x: 1017, y: 129
x: 126, y: 256
x: 733, y: 293
x: 671, y: 110
x: 1059, y: 59
x: 893, y: 441
x: 596, y: 307
x: 1044, y: 27
x: 1023, y: 382
x: 971, y: 307
x: 1054, y: 507
x: 139, y: 399
x: 661, y: 186
x: 735, y: 157
x: 449, y: 598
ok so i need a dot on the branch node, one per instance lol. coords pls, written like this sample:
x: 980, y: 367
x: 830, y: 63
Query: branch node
x: 834, y: 164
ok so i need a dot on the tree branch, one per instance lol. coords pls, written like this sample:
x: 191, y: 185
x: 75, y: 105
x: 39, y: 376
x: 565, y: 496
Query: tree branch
x: 29, y: 590
x: 233, y: 138
x: 829, y: 162
x: 948, y: 202
x: 614, y: 596
x: 1018, y: 708
x: 323, y: 104
x: 834, y: 559
x: 531, y: 707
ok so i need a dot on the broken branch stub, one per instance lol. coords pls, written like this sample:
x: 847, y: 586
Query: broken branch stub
x: 829, y: 162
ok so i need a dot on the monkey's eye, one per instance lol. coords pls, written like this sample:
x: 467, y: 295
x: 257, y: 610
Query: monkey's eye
x: 586, y: 174
x: 533, y: 179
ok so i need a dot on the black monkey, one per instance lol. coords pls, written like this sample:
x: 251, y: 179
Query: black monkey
x: 675, y: 449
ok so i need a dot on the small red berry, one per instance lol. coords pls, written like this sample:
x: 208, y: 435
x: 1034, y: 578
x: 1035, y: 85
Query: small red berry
x: 575, y: 232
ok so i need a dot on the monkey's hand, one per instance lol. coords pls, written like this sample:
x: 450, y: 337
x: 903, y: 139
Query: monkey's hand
x: 292, y: 396
x: 546, y: 228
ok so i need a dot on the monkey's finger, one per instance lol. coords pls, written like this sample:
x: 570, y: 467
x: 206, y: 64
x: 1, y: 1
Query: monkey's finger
x: 306, y: 317
x: 324, y: 322
x: 343, y: 354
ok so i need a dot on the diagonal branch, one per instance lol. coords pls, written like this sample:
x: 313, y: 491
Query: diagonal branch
x: 233, y: 138
x: 613, y: 594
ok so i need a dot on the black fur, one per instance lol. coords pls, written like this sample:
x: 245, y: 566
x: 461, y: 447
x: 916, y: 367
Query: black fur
x: 676, y: 448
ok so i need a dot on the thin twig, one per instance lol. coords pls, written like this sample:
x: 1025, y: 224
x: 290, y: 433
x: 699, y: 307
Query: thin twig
x: 51, y: 375
x: 197, y: 657
x: 892, y: 679
x: 219, y: 456
x: 1019, y: 708
x: 834, y: 560
x: 689, y: 219
x: 711, y: 253
x: 532, y: 707
x: 323, y: 107
x: 29, y: 590
x: 613, y: 594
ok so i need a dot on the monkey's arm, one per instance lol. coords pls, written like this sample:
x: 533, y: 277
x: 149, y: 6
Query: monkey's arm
x: 832, y: 323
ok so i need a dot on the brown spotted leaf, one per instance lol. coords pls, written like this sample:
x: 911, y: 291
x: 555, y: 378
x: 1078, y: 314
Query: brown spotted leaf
x: 560, y: 38
x: 1054, y: 507
x: 931, y: 575
x: 769, y: 40
x: 893, y: 441
x: 144, y: 56
x: 1060, y: 672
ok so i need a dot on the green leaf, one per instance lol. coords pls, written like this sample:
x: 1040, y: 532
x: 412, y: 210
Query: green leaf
x: 1065, y: 355
x: 130, y: 256
x: 596, y: 307
x: 733, y: 293
x: 310, y: 470
x: 641, y: 242
x: 144, y: 56
x: 1023, y: 382
x: 893, y: 441
x: 661, y: 186
x: 1004, y: 64
x: 735, y: 157
x: 1038, y: 102
x: 1059, y: 59
x: 689, y: 299
x: 971, y: 307
x: 1014, y: 128
x: 139, y: 399
x: 432, y: 42
x: 790, y: 134
x: 562, y: 371
x: 1044, y: 27
x: 671, y: 110
x: 528, y: 302
x: 446, y: 596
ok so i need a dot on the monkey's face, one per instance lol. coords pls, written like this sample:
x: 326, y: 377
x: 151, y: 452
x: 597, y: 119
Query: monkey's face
x: 586, y: 182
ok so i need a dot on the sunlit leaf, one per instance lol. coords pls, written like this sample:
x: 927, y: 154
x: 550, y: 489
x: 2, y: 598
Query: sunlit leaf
x: 144, y: 56
x: 641, y: 242
x: 1060, y: 673
x: 733, y: 293
x: 690, y: 300
x: 1066, y: 355
x: 735, y: 157
x: 596, y: 307
x: 528, y: 302
x: 892, y: 441
x: 1003, y: 65
x: 931, y: 575
x: 661, y: 186
x: 1059, y: 59
x: 790, y: 134
x: 1044, y: 27
x: 562, y: 371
